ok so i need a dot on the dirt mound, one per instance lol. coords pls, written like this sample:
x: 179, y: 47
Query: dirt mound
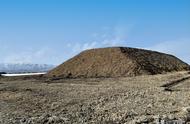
x: 117, y: 62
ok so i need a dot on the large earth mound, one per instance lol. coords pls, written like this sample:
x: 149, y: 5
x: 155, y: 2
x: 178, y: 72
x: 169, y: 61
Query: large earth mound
x: 117, y: 62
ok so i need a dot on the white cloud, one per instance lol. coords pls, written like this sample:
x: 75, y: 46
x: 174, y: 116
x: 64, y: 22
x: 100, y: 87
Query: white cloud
x: 14, y: 58
x: 77, y: 47
x: 179, y: 48
x: 113, y: 42
x: 42, y: 56
x: 116, y: 36
x: 107, y: 37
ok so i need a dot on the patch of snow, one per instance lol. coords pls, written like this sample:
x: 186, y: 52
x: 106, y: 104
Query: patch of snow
x: 24, y: 74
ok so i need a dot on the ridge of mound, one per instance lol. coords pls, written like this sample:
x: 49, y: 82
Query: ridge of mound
x: 118, y: 62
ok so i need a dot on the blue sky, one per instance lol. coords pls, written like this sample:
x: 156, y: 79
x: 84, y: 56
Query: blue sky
x: 51, y: 31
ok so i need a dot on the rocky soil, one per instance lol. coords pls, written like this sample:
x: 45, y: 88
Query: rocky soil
x: 131, y: 100
x: 118, y: 62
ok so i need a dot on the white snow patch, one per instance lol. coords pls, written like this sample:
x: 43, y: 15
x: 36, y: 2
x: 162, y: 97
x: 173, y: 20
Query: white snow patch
x: 24, y: 74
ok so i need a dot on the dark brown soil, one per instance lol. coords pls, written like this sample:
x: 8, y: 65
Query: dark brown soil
x: 118, y: 62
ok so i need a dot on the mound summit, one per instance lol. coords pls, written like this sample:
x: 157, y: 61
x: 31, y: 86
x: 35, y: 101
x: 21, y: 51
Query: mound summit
x: 118, y: 62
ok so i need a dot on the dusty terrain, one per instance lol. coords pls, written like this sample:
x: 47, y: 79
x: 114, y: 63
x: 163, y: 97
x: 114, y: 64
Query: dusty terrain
x: 118, y: 62
x: 130, y: 100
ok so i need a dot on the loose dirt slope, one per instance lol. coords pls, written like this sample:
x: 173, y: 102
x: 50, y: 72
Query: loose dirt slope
x: 118, y: 62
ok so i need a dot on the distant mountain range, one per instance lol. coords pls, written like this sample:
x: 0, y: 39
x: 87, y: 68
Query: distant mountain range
x: 25, y: 68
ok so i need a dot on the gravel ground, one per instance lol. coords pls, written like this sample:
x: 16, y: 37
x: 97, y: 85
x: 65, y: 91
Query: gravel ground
x: 130, y: 100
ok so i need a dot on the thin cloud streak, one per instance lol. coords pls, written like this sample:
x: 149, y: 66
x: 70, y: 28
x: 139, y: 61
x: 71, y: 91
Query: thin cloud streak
x: 179, y: 48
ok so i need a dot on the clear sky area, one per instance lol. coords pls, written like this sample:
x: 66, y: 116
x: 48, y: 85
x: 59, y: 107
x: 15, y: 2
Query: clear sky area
x: 52, y: 31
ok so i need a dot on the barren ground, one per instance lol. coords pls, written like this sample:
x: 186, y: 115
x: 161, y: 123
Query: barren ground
x: 127, y: 100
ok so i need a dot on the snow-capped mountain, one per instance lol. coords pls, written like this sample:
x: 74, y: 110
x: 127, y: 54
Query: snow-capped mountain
x: 25, y: 68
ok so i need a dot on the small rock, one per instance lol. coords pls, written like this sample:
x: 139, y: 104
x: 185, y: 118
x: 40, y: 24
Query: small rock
x: 171, y: 117
x: 186, y: 109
